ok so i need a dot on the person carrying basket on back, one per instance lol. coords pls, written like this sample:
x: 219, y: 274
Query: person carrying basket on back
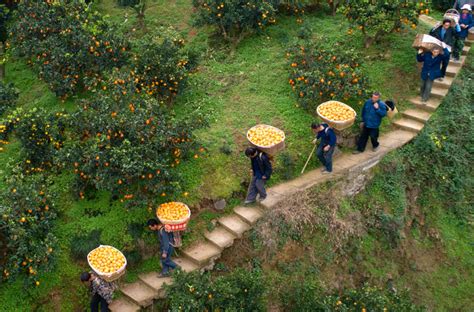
x: 327, y: 144
x: 448, y: 35
x: 466, y: 21
x: 261, y: 172
x: 166, y: 239
x: 101, y: 291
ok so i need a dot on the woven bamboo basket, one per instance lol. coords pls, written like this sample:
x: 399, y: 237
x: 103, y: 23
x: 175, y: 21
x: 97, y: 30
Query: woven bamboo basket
x: 270, y: 150
x: 109, y: 277
x: 427, y: 43
x: 338, y: 125
x: 176, y: 225
x: 453, y: 15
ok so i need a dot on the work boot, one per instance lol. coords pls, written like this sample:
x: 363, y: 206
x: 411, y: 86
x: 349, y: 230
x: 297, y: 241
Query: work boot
x: 374, y: 149
x: 356, y: 152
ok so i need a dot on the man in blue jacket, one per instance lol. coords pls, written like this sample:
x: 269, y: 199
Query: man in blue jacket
x: 372, y: 113
x: 166, y: 246
x: 448, y: 35
x: 326, y: 146
x: 261, y: 172
x: 431, y: 70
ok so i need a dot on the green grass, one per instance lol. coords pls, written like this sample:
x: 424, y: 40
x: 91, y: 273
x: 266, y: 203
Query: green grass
x: 237, y: 91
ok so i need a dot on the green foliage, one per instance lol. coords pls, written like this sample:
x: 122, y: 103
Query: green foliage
x: 27, y: 219
x: 308, y: 296
x: 82, y: 244
x: 8, y: 96
x: 234, y: 19
x: 129, y: 145
x: 130, y: 3
x: 377, y: 18
x: 66, y: 43
x: 319, y: 73
x: 442, y: 4
x: 241, y: 290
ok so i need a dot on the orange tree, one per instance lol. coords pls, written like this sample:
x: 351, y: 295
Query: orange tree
x: 321, y: 73
x: 65, y: 43
x: 377, y: 18
x: 234, y: 19
x: 27, y: 217
x: 128, y: 144
x: 8, y: 96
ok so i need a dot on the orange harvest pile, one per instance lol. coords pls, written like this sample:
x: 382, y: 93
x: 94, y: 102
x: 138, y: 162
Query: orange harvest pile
x: 106, y: 259
x: 336, y: 111
x: 172, y: 211
x: 263, y: 135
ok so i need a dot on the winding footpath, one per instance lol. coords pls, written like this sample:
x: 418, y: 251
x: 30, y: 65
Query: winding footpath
x: 203, y: 254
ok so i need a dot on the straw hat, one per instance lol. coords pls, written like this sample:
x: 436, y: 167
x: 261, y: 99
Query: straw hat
x: 466, y: 7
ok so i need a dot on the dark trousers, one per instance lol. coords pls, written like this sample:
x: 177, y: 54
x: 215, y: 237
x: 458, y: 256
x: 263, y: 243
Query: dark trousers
x: 256, y: 187
x: 325, y: 157
x: 425, y: 89
x: 364, y: 137
x: 167, y: 263
x: 95, y: 301
x: 458, y: 46
x: 445, y: 63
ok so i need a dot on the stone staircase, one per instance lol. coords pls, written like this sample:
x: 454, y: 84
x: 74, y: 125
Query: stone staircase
x: 203, y: 254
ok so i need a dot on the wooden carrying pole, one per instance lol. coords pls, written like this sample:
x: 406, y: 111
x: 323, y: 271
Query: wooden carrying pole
x: 312, y: 151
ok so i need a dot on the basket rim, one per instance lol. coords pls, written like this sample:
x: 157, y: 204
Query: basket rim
x: 173, y: 222
x: 269, y: 126
x: 336, y: 121
x: 104, y: 273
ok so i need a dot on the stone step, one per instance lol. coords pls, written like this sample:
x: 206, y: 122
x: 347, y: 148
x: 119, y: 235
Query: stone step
x: 465, y: 50
x: 452, y: 71
x: 462, y: 59
x: 439, y: 93
x: 123, y: 305
x: 220, y: 237
x: 417, y: 114
x: 409, y: 124
x: 234, y: 224
x: 156, y: 283
x: 202, y: 253
x: 445, y: 84
x: 139, y: 293
x: 248, y: 214
x: 186, y: 264
x: 470, y: 39
x: 430, y: 106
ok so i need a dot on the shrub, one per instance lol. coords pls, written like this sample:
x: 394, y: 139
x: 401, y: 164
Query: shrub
x: 82, y: 244
x: 42, y: 136
x: 442, y: 4
x: 8, y: 96
x: 234, y: 19
x: 27, y: 220
x: 241, y: 290
x: 320, y: 73
x: 377, y: 18
x: 130, y: 145
x: 128, y: 2
x: 66, y: 43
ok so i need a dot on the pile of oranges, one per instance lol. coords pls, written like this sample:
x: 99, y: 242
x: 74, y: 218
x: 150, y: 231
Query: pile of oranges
x: 172, y: 211
x: 263, y: 135
x: 106, y: 259
x: 336, y: 111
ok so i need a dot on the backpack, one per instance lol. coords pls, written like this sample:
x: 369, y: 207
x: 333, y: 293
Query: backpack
x: 260, y: 163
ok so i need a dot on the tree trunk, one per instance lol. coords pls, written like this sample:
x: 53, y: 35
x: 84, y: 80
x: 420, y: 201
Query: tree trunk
x: 368, y: 41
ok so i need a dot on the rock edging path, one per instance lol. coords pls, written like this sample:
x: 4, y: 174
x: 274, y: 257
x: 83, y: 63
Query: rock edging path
x: 202, y: 255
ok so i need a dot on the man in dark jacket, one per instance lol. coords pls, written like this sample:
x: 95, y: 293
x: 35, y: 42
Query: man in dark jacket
x: 166, y: 246
x: 466, y: 22
x: 261, y: 172
x: 372, y: 113
x: 101, y: 291
x: 326, y: 146
x: 446, y: 34
x: 430, y: 71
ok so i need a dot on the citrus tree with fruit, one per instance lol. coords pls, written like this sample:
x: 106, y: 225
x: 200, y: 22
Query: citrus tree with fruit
x: 377, y: 18
x: 321, y: 73
x: 66, y: 43
x: 233, y: 20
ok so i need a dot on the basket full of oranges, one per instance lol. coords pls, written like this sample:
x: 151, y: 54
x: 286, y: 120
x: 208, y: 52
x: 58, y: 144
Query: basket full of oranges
x: 266, y: 138
x: 337, y: 114
x: 175, y: 215
x: 107, y: 262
